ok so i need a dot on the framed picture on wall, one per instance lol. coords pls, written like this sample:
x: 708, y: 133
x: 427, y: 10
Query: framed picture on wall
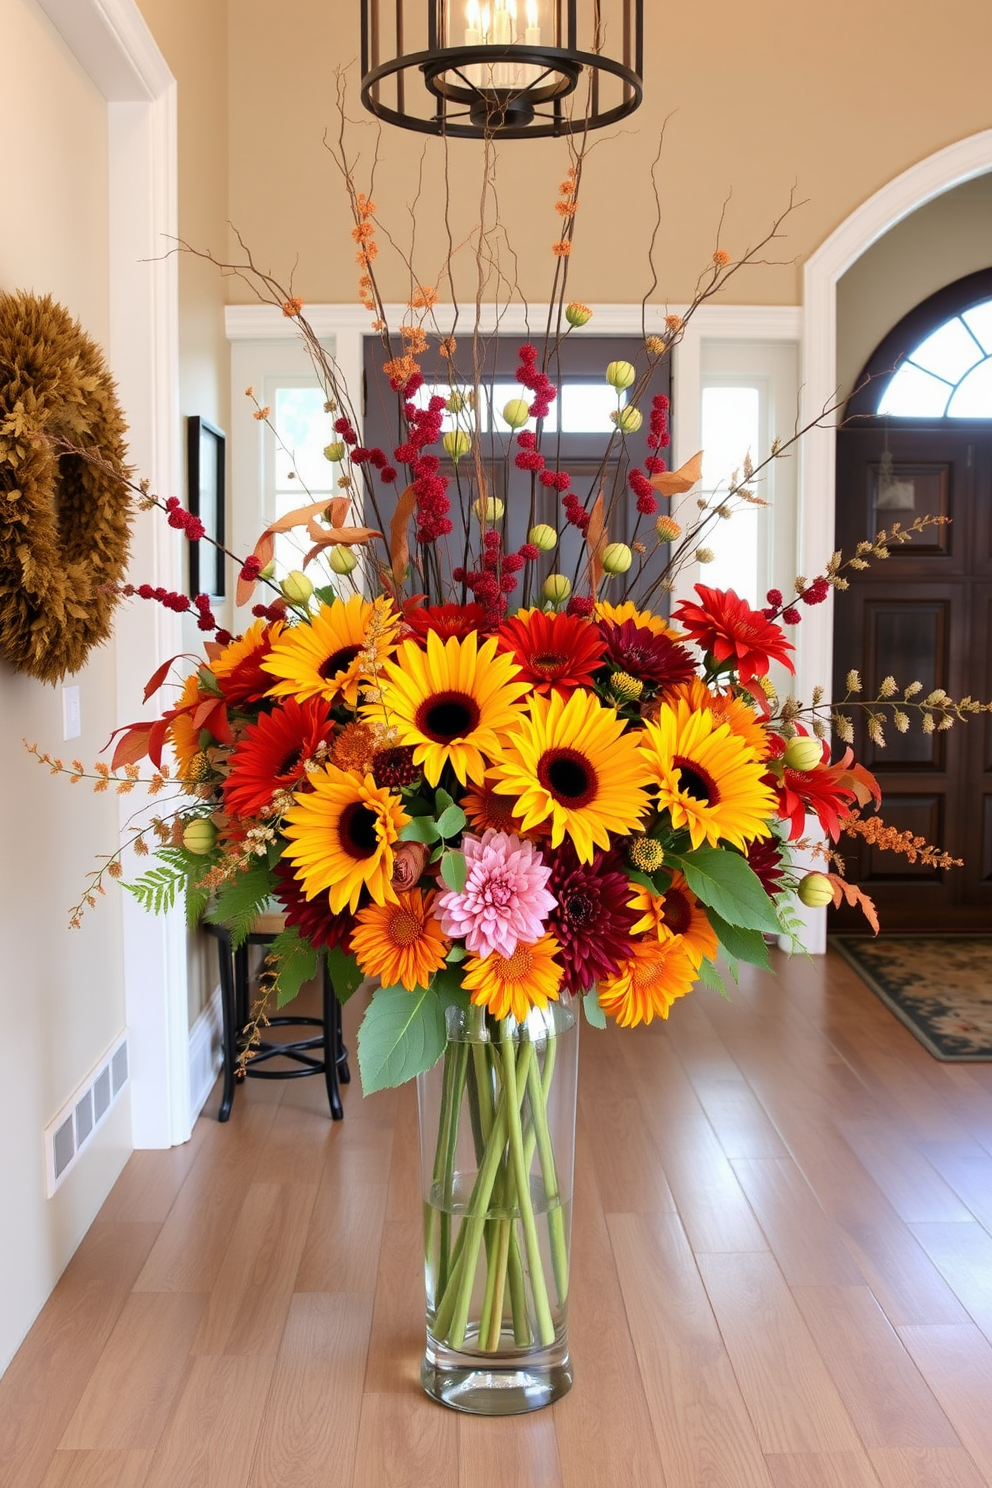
x: 205, y: 468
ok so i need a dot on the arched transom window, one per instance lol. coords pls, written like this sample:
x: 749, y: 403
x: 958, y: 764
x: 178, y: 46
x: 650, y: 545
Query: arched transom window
x: 949, y: 373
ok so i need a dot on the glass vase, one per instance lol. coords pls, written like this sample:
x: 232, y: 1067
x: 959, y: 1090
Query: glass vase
x: 497, y: 1137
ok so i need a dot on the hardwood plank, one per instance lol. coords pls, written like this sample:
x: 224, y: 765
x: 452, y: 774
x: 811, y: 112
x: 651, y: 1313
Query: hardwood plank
x: 406, y: 1194
x: 821, y: 1470
x: 885, y: 1397
x: 608, y: 1384
x: 522, y: 1450
x: 190, y: 1248
x: 299, y: 1139
x: 151, y: 1180
x: 912, y: 1186
x: 314, y: 1405
x: 700, y: 1419
x: 790, y: 1396
x: 926, y: 1468
x: 404, y: 1443
x: 967, y: 1167
x: 807, y: 1244
x: 396, y: 1347
x: 139, y: 1374
x: 956, y: 1363
x: 97, y: 1470
x: 631, y: 1177
x: 43, y: 1383
x: 341, y: 1252
x: 962, y: 1254
x: 711, y: 1203
x: 211, y: 1436
x: 250, y: 1300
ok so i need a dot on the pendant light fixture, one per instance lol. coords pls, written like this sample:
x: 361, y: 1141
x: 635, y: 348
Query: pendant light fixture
x: 505, y: 69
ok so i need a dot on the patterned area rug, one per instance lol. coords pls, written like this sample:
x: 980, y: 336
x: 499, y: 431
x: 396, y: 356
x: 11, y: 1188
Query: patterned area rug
x: 940, y: 986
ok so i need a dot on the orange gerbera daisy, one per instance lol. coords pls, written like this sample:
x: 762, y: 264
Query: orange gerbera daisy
x: 728, y: 628
x: 509, y: 986
x: 273, y: 753
x: 402, y: 944
x: 676, y: 914
x: 647, y: 984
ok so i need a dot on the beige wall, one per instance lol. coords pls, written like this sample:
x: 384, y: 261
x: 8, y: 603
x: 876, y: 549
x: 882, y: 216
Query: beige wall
x: 192, y: 37
x: 62, y: 991
x: 836, y: 99
x: 943, y: 241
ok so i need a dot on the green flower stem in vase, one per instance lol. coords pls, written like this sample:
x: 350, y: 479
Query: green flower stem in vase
x: 497, y: 1117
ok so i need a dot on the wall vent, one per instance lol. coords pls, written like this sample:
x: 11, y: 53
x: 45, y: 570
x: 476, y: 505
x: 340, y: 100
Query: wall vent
x: 83, y: 1113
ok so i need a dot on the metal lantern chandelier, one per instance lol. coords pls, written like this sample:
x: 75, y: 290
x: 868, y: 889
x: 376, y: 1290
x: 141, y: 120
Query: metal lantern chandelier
x: 504, y: 69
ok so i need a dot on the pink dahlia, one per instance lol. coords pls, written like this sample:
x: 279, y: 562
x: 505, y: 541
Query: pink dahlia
x: 504, y: 899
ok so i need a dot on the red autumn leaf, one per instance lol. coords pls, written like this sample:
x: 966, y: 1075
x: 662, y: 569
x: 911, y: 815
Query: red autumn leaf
x: 132, y: 745
x: 677, y: 482
x: 159, y: 675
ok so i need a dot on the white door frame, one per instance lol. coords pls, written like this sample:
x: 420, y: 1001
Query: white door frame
x: 113, y: 45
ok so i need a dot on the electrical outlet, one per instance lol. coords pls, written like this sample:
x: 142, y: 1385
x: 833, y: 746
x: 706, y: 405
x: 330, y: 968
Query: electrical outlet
x: 72, y: 725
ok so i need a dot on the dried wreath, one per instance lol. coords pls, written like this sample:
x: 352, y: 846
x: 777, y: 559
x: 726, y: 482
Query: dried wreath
x: 64, y: 520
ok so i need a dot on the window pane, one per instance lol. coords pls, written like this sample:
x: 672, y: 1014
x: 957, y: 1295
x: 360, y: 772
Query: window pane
x: 948, y: 352
x: 586, y: 407
x: 973, y: 399
x: 731, y: 429
x: 302, y: 430
x: 979, y: 322
x: 914, y: 392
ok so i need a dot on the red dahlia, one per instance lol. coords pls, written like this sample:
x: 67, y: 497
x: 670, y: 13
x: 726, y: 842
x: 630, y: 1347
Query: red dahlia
x: 654, y: 659
x: 312, y: 917
x: 592, y: 919
x: 764, y: 858
x: 730, y: 630
x: 272, y: 753
x: 555, y: 653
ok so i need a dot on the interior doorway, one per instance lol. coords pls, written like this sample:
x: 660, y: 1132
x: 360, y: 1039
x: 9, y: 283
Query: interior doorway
x: 917, y: 439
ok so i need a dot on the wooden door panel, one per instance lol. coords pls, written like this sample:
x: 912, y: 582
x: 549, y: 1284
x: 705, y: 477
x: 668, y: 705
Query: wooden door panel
x: 925, y: 614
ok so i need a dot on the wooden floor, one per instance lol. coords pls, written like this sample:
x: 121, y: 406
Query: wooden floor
x: 782, y: 1279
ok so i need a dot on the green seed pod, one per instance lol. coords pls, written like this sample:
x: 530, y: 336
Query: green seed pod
x: 543, y: 537
x: 516, y: 413
x: 342, y: 560
x: 617, y: 558
x: 620, y: 375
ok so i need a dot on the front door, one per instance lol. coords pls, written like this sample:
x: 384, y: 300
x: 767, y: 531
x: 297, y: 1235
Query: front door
x: 923, y: 614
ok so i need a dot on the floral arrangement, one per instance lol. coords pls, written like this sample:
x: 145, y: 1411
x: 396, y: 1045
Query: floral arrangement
x: 486, y: 784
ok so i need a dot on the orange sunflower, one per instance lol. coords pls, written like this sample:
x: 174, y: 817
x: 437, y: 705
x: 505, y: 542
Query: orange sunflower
x: 727, y: 708
x: 485, y: 809
x: 238, y: 667
x: 648, y: 982
x: 329, y: 655
x: 509, y: 986
x: 675, y: 915
x: 402, y: 943
x: 341, y: 835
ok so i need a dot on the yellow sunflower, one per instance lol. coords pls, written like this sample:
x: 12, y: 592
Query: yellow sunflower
x: 509, y: 986
x: 727, y: 708
x: 341, y: 835
x: 617, y: 614
x: 182, y: 733
x: 450, y: 701
x: 648, y: 982
x: 329, y: 656
x: 402, y: 943
x: 573, y: 764
x: 707, y: 778
x: 675, y: 915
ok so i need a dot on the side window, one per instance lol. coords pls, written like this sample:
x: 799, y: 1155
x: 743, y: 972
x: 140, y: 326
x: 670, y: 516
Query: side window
x: 296, y: 469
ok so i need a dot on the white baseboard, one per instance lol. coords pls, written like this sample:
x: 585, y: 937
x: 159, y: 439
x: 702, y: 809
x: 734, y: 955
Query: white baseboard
x: 205, y: 1053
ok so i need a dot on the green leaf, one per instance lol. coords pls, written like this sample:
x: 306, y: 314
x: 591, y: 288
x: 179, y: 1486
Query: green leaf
x: 442, y: 800
x: 402, y: 1034
x: 179, y: 871
x: 438, y: 853
x: 595, y: 1016
x: 156, y: 890
x: 345, y: 973
x: 241, y: 900
x: 451, y: 821
x: 294, y: 962
x: 208, y: 682
x: 447, y: 983
x: 743, y: 945
x: 645, y: 880
x: 454, y: 870
x: 710, y: 977
x: 420, y: 829
x: 456, y: 954
x: 326, y: 593
x: 724, y: 882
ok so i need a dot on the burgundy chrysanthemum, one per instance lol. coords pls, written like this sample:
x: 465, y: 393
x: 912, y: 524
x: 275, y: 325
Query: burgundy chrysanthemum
x: 764, y: 858
x: 592, y: 919
x: 312, y: 917
x: 394, y: 767
x: 655, y: 659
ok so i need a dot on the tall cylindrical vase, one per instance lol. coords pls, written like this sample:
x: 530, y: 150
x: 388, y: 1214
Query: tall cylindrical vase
x: 497, y: 1137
